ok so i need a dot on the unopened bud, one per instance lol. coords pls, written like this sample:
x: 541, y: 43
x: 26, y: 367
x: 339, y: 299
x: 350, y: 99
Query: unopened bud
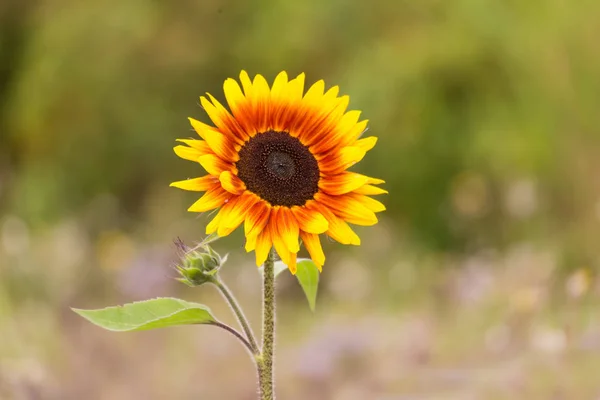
x: 199, y: 266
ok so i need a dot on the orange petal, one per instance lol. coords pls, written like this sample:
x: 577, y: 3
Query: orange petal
x: 260, y: 102
x: 315, y: 129
x: 288, y: 229
x: 196, y: 184
x: 235, y: 211
x: 342, y: 183
x: 220, y: 144
x: 263, y: 246
x: 341, y: 160
x: 348, y: 208
x: 310, y: 220
x: 232, y: 183
x: 257, y: 218
x: 213, y: 164
x: 345, y: 133
x: 222, y: 119
x: 240, y: 105
x: 338, y: 229
x: 210, y: 200
x: 279, y: 244
x: 370, y: 190
x: 313, y: 245
x: 279, y: 101
x: 340, y: 135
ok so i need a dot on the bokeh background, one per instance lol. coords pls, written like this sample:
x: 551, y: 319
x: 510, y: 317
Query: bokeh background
x: 480, y: 282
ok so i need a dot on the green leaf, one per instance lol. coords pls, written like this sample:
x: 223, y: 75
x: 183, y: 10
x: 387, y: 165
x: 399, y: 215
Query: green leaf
x: 278, y: 268
x: 307, y: 274
x: 149, y: 314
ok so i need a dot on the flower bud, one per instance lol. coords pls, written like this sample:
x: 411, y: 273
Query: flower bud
x: 199, y: 266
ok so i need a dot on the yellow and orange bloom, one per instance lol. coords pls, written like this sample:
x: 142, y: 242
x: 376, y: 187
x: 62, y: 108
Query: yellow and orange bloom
x: 278, y: 163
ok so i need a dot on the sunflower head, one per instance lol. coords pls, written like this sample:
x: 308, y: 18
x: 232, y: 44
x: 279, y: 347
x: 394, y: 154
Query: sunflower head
x: 277, y: 162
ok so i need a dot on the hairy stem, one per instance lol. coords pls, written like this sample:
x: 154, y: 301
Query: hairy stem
x: 266, y: 360
x: 238, y: 313
x: 234, y: 333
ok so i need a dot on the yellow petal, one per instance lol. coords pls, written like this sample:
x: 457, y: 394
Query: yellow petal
x: 279, y: 244
x: 250, y: 243
x: 339, y: 230
x: 257, y: 218
x: 199, y: 145
x: 196, y: 184
x: 341, y: 160
x: 222, y: 119
x: 375, y: 181
x: 246, y: 84
x: 210, y: 200
x: 263, y: 246
x: 342, y: 183
x: 366, y: 201
x: 366, y: 143
x: 213, y: 164
x: 315, y: 92
x: 235, y: 212
x: 218, y: 143
x: 213, y: 225
x: 296, y: 88
x: 261, y: 87
x: 348, y: 208
x: 187, y: 153
x: 357, y: 131
x: 342, y: 135
x: 370, y: 190
x: 288, y: 229
x: 232, y: 183
x: 233, y: 94
x: 310, y: 220
x: 279, y: 85
x: 313, y: 245
x: 292, y: 263
x: 262, y: 94
x: 200, y: 127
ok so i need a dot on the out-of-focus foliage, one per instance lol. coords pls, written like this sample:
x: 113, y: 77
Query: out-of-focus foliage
x: 487, y: 114
x: 487, y: 111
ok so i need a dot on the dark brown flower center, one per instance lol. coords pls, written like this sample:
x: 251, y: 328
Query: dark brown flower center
x: 279, y: 168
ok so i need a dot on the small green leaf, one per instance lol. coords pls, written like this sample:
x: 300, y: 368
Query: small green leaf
x: 149, y: 314
x: 278, y: 268
x: 307, y: 274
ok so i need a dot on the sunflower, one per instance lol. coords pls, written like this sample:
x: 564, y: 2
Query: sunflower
x: 278, y: 163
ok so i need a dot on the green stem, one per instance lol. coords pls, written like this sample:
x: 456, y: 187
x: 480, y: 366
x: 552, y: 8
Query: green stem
x: 266, y: 359
x: 235, y: 333
x: 238, y: 313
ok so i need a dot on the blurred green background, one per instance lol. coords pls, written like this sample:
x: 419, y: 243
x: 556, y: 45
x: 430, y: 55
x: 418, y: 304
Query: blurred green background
x: 480, y: 282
